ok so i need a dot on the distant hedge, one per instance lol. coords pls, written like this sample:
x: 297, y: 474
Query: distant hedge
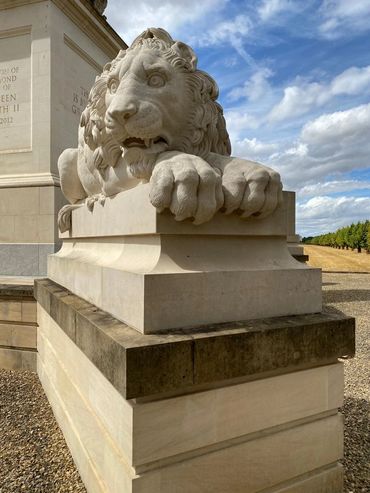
x: 356, y: 237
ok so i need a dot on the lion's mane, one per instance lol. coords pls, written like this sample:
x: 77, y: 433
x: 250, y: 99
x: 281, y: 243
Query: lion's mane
x: 206, y: 130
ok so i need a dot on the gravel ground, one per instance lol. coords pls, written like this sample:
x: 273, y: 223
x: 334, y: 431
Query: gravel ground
x: 34, y: 457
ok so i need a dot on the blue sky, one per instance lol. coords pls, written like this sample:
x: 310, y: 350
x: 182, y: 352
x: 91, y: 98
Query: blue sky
x: 294, y: 78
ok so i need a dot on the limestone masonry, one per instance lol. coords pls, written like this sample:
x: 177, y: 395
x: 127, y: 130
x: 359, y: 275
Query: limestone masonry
x: 47, y: 66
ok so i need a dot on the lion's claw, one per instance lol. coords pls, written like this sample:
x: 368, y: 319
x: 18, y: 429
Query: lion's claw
x: 251, y: 189
x: 187, y: 185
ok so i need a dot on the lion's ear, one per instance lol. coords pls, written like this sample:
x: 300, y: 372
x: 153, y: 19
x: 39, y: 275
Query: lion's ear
x: 184, y: 51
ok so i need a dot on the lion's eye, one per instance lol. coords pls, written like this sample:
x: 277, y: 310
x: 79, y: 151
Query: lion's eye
x: 156, y: 80
x: 113, y: 85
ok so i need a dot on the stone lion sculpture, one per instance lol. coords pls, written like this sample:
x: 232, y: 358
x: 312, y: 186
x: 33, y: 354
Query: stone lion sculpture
x: 153, y: 116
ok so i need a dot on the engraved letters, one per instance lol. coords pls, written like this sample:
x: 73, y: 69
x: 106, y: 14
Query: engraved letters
x: 8, y: 95
x: 79, y: 101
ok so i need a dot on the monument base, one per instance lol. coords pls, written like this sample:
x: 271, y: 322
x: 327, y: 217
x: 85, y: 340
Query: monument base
x: 244, y: 407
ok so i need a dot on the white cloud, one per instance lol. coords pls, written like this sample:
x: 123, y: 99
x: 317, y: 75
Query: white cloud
x: 241, y: 25
x: 270, y: 8
x: 323, y: 214
x: 338, y: 132
x: 334, y: 186
x: 254, y: 149
x: 233, y: 32
x: 343, y: 16
x: 239, y: 120
x: 300, y: 99
x: 352, y: 81
x: 131, y: 17
x: 255, y: 88
x: 333, y: 143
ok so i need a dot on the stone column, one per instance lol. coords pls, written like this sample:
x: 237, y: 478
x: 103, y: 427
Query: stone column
x: 50, y: 53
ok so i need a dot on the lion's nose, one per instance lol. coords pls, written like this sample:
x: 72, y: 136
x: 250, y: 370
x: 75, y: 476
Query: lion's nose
x: 122, y: 112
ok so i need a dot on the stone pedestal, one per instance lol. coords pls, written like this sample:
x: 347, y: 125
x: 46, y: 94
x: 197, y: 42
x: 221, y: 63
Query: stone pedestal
x: 240, y: 407
x: 154, y: 387
x: 50, y: 53
x: 155, y: 274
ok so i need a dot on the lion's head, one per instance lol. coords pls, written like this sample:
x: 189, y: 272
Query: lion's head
x: 152, y: 98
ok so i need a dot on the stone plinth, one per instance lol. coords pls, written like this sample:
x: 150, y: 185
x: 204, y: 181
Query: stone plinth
x: 241, y: 407
x: 154, y: 273
x: 50, y: 54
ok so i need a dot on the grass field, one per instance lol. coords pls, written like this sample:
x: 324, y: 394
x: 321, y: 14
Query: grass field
x: 335, y: 260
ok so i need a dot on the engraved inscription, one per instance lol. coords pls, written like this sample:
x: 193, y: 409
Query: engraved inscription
x: 8, y: 98
x: 79, y: 101
x: 15, y: 93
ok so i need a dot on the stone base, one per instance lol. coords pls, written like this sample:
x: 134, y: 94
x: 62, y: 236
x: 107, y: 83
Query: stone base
x: 156, y: 274
x: 249, y: 407
x: 18, y: 359
x: 27, y: 214
x: 18, y: 327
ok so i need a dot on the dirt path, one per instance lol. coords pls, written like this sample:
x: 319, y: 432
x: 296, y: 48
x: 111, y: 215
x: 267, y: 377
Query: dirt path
x: 335, y: 260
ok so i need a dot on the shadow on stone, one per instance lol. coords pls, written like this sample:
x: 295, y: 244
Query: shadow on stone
x: 346, y: 295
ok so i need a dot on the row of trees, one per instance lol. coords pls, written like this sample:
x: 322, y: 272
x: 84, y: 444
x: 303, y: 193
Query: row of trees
x: 356, y: 236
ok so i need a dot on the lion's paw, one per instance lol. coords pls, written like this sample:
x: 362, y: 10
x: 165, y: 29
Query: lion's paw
x: 187, y: 185
x: 251, y: 189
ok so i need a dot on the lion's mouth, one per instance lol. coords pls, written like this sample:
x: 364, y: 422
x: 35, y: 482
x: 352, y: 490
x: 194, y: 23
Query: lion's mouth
x: 143, y: 143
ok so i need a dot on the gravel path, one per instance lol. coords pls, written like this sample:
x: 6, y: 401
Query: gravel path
x: 33, y: 454
x: 34, y: 457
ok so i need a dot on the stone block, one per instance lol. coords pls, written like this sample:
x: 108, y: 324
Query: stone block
x: 327, y: 480
x: 18, y: 359
x: 10, y: 310
x: 19, y: 259
x: 23, y: 201
x: 29, y: 311
x: 18, y: 336
x: 6, y: 229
